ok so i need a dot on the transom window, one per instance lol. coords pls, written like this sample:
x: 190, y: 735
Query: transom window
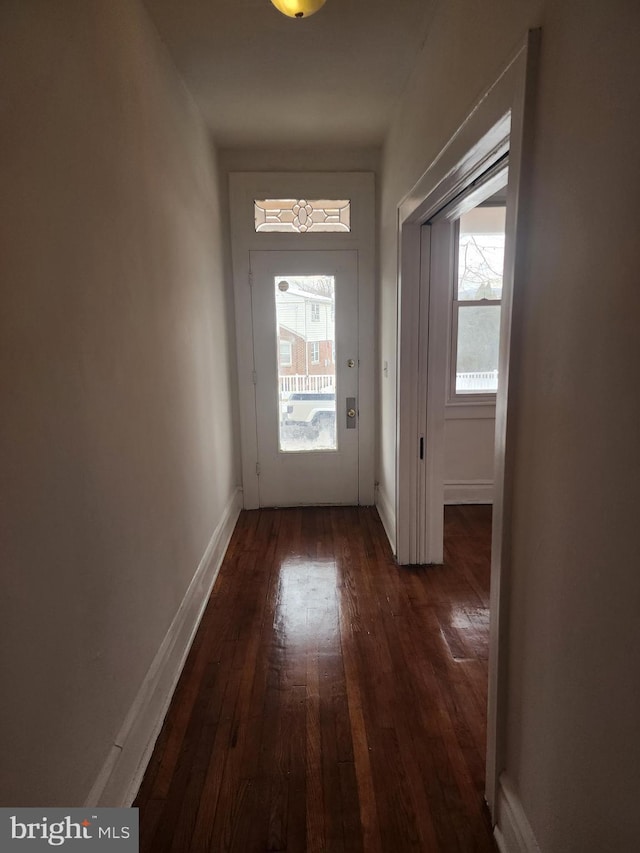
x: 302, y: 216
x: 477, y: 299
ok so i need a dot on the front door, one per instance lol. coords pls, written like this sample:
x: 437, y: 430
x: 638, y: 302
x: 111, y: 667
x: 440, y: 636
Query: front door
x: 305, y: 342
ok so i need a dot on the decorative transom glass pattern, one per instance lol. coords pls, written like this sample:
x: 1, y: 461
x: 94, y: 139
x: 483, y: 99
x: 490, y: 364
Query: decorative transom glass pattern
x: 302, y: 216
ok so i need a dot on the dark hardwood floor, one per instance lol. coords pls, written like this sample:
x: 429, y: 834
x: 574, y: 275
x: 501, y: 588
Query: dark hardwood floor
x: 332, y: 701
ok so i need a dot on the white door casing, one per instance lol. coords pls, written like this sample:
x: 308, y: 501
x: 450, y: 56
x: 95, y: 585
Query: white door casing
x: 358, y: 187
x: 501, y: 121
x: 318, y: 476
x: 437, y: 270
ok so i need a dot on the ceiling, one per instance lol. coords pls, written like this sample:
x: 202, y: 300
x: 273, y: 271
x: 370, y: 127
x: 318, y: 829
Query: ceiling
x: 262, y: 79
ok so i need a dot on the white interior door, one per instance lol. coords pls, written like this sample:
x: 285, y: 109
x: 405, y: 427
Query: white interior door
x: 305, y: 344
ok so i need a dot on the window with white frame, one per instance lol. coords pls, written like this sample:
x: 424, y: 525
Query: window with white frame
x: 315, y: 312
x: 477, y: 299
x: 315, y: 352
x: 286, y: 353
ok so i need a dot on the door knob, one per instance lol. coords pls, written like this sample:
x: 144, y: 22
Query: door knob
x: 351, y: 413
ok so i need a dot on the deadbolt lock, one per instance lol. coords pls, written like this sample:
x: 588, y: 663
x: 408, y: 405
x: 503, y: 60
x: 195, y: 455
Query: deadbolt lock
x: 351, y: 412
x: 351, y: 363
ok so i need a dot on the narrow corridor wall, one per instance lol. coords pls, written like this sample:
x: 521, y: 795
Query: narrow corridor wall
x: 573, y: 701
x: 117, y: 443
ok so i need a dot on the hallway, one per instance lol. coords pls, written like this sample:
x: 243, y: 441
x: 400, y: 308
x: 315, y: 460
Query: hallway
x: 331, y: 700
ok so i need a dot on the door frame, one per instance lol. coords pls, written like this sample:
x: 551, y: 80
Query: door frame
x: 359, y: 187
x: 435, y: 333
x: 501, y: 122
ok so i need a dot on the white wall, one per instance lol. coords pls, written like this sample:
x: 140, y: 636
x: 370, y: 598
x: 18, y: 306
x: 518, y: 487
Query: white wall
x: 469, y: 449
x: 573, y: 754
x: 117, y: 442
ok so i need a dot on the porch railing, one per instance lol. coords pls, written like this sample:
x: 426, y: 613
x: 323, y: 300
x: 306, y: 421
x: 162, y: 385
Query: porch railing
x: 479, y: 380
x: 298, y: 382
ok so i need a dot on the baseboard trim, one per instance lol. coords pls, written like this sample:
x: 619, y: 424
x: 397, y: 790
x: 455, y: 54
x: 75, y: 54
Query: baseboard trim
x: 468, y: 492
x: 512, y: 832
x: 387, y: 516
x: 118, y: 781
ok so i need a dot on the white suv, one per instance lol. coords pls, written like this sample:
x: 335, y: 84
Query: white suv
x: 312, y: 409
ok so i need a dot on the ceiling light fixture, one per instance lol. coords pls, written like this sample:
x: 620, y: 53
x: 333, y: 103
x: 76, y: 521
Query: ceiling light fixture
x: 298, y: 8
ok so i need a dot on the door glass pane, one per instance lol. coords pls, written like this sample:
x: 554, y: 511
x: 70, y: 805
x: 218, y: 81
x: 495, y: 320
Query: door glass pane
x: 481, y: 253
x: 305, y: 329
x: 478, y: 343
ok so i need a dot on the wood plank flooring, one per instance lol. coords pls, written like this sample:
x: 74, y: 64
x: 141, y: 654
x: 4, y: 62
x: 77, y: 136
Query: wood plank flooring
x: 332, y: 701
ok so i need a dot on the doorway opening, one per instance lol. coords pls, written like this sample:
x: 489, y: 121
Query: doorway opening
x: 461, y: 282
x: 500, y: 123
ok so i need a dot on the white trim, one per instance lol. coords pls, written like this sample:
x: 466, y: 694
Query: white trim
x: 468, y: 492
x: 511, y: 321
x: 387, y: 516
x: 473, y: 148
x: 490, y: 182
x: 513, y: 831
x: 411, y: 245
x: 118, y: 781
x: 433, y: 338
